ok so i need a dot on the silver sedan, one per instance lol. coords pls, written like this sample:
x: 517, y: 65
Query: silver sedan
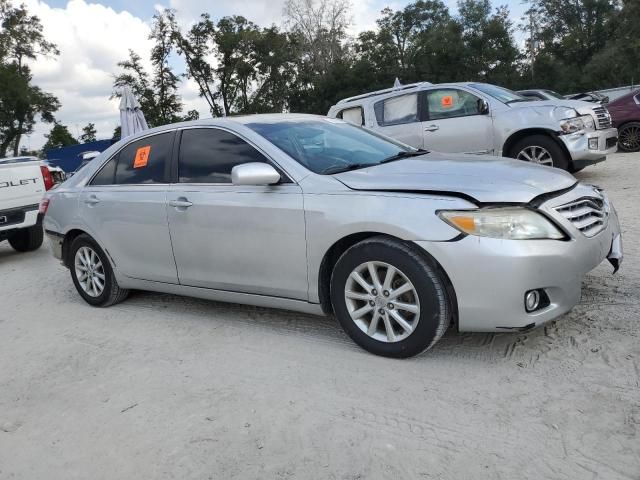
x: 313, y: 214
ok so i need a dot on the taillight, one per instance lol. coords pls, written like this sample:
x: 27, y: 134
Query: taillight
x: 44, y: 206
x: 46, y: 176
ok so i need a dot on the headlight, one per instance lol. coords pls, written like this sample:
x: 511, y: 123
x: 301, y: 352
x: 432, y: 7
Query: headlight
x: 511, y: 223
x: 573, y: 125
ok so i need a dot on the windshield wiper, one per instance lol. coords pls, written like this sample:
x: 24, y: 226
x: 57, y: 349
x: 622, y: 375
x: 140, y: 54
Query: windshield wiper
x: 404, y: 154
x: 347, y: 168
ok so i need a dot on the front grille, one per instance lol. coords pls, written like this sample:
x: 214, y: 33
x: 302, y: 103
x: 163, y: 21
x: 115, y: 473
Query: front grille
x: 603, y: 119
x: 587, y: 214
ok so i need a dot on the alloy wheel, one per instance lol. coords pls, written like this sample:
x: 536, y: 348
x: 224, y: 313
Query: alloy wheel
x: 89, y: 271
x: 382, y: 301
x: 629, y: 138
x: 536, y: 154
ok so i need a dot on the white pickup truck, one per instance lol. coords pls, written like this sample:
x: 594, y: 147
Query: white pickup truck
x: 22, y: 186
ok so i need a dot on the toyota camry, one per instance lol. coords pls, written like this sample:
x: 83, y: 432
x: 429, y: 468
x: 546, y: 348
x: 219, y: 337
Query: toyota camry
x: 314, y: 214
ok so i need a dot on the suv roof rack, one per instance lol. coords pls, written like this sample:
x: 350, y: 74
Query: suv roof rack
x: 386, y: 90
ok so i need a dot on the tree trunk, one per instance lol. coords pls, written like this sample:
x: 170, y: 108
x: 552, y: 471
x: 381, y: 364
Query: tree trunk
x: 16, y: 143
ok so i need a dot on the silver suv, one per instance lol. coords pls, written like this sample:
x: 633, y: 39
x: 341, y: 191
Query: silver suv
x: 480, y: 118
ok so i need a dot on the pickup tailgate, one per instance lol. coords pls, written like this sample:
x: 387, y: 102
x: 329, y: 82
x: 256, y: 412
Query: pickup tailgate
x: 21, y: 185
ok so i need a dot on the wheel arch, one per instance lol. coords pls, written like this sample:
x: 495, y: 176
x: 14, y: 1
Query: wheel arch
x: 342, y: 245
x: 528, y: 132
x: 68, y: 239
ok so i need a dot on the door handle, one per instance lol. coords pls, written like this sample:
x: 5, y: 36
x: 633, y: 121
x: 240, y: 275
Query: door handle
x: 180, y: 203
x: 431, y: 128
x: 92, y: 200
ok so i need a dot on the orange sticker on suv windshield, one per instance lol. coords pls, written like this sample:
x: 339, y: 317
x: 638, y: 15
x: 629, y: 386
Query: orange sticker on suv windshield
x: 142, y: 157
x: 447, y: 101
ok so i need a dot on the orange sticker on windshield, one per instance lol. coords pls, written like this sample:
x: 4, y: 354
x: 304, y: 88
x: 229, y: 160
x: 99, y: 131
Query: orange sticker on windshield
x: 447, y: 101
x: 142, y: 157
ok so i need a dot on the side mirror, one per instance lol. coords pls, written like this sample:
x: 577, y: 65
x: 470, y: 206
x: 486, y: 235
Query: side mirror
x: 254, y: 173
x: 483, y: 107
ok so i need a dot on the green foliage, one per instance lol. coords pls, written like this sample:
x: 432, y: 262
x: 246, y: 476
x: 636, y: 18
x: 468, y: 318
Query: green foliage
x: 59, y: 136
x: 21, y: 103
x: 157, y: 93
x: 88, y: 133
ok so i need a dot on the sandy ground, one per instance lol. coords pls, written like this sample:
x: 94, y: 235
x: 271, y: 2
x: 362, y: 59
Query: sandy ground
x: 169, y: 387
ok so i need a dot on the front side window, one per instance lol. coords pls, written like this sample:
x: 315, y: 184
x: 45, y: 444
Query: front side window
x: 397, y: 110
x: 145, y: 161
x: 327, y: 146
x: 207, y: 155
x: 451, y: 103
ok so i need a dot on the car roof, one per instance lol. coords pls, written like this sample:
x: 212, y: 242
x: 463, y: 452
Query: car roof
x: 227, y: 121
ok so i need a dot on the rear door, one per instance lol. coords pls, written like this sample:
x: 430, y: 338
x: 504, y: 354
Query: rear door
x: 246, y: 238
x: 124, y: 206
x: 399, y: 118
x: 455, y: 123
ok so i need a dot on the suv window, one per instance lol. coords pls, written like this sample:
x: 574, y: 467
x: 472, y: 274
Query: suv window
x: 451, y: 103
x: 352, y: 115
x: 145, y: 160
x: 207, y: 155
x: 397, y: 110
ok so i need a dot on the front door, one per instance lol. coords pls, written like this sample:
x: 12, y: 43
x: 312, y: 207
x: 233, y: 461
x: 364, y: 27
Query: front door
x: 248, y: 239
x: 454, y: 122
x: 124, y: 207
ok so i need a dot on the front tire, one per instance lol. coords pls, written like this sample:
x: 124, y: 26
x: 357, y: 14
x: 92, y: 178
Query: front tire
x: 27, y: 239
x: 92, y: 274
x: 629, y: 137
x: 389, y: 299
x: 542, y: 150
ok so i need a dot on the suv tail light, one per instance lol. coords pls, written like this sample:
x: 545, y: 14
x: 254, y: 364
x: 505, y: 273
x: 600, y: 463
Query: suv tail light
x: 46, y: 176
x: 44, y: 206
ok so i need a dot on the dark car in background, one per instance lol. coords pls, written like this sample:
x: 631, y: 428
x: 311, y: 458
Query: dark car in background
x: 625, y: 115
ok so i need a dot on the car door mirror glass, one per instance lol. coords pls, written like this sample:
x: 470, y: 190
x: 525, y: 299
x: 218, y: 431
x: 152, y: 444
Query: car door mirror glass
x: 254, y: 173
x: 483, y: 107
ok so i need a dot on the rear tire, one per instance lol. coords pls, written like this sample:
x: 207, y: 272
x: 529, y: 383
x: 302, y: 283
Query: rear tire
x: 536, y: 146
x: 629, y: 137
x: 92, y: 274
x: 27, y: 239
x: 418, y: 317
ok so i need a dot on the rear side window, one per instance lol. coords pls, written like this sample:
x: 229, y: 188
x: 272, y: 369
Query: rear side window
x: 397, y: 110
x: 207, y: 155
x: 352, y: 115
x: 145, y: 160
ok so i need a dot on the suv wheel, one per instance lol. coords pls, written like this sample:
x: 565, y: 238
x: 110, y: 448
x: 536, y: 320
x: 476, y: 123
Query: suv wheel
x: 629, y: 137
x: 27, y: 239
x: 542, y: 150
x: 92, y: 274
x: 389, y: 299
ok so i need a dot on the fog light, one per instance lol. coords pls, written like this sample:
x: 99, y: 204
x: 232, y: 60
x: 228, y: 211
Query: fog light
x: 593, y: 144
x: 531, y: 300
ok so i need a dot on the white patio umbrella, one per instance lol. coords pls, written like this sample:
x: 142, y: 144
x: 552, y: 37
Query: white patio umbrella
x: 397, y: 83
x: 131, y: 117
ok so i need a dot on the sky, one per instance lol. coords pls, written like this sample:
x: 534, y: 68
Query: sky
x: 93, y: 36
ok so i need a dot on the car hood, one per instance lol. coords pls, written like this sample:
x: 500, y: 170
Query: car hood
x: 578, y: 105
x: 482, y: 178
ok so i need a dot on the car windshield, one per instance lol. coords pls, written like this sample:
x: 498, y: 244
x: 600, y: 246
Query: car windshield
x: 503, y: 94
x: 328, y: 146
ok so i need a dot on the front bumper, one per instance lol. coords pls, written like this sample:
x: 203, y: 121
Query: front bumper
x: 587, y: 148
x: 491, y: 276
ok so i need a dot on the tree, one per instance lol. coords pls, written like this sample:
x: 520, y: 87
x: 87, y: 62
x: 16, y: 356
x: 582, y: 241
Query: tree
x: 59, y: 136
x: 21, y: 39
x: 157, y: 93
x: 568, y: 34
x: 88, y: 133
